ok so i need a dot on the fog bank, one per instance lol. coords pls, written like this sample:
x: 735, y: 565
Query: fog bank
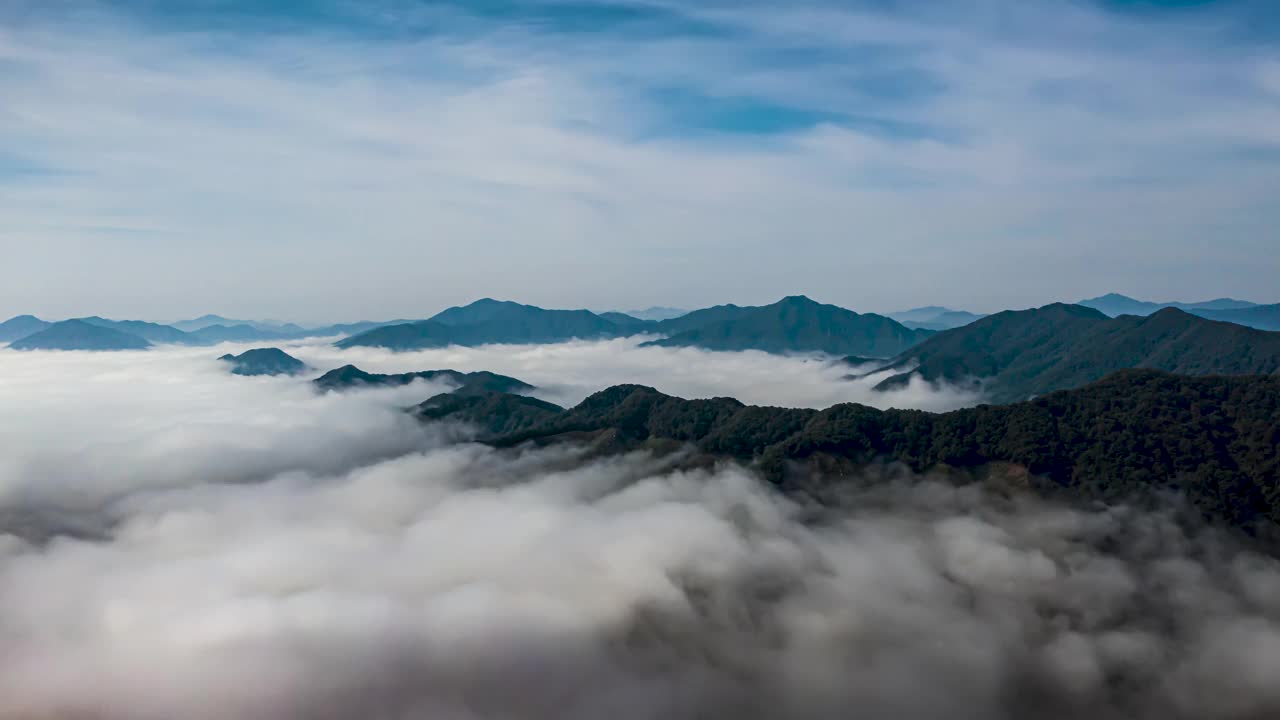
x: 178, y: 542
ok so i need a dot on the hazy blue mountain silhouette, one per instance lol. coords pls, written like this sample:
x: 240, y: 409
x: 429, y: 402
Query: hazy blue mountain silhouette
x: 1115, y: 304
x: 80, y: 335
x: 16, y: 328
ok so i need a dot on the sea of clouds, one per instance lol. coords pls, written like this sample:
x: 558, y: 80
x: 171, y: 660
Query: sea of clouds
x: 176, y: 541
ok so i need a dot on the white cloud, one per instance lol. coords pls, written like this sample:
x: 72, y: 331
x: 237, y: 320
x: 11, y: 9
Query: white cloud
x: 208, y: 546
x: 567, y: 372
x: 324, y: 176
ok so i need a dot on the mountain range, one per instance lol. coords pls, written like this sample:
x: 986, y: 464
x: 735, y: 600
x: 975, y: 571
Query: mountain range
x: 1241, y: 312
x: 654, y: 313
x: 269, y: 326
x: 793, y: 324
x: 1015, y: 355
x: 1114, y: 304
x: 80, y: 335
x: 1212, y: 439
x: 27, y: 328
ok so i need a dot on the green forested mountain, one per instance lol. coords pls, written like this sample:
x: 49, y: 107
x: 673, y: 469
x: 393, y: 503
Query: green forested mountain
x: 16, y: 328
x: 489, y: 321
x: 1214, y: 439
x: 80, y: 335
x: 350, y: 376
x: 1019, y: 354
x: 264, y: 361
x: 494, y: 414
x: 797, y: 324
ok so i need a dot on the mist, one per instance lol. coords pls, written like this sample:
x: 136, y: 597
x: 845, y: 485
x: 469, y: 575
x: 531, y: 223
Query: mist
x: 179, y: 542
x: 567, y: 372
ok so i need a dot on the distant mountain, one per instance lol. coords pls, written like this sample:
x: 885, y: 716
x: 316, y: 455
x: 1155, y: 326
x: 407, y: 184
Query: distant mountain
x: 487, y: 322
x: 469, y: 383
x: 945, y: 321
x: 264, y: 361
x: 656, y: 313
x: 1019, y: 354
x: 1132, y: 434
x: 1115, y: 304
x: 205, y: 321
x: 154, y: 332
x: 920, y: 314
x: 80, y: 335
x: 16, y: 328
x: 796, y: 324
x: 1262, y: 317
x: 348, y: 329
x: 934, y: 317
x: 214, y: 334
x: 629, y: 323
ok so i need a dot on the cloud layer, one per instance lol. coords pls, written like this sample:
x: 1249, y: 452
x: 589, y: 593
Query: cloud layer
x: 178, y: 542
x: 565, y: 373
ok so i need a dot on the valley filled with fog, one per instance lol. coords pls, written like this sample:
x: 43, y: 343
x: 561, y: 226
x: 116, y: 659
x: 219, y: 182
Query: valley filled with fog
x: 182, y: 542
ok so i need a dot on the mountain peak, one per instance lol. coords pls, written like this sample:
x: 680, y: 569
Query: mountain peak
x: 264, y: 361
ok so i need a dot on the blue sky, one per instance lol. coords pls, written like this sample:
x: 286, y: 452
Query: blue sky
x: 336, y: 160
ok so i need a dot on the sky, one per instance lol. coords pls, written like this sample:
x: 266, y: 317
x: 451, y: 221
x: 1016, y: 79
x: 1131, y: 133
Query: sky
x: 336, y: 160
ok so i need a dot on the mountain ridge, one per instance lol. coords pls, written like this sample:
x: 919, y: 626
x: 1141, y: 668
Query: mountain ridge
x: 795, y: 324
x: 80, y: 335
x: 1212, y: 439
x: 1016, y: 354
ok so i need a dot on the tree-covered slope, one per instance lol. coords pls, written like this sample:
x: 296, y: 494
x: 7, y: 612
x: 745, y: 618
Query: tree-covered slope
x: 493, y: 414
x: 798, y: 324
x: 1020, y: 354
x: 1214, y: 439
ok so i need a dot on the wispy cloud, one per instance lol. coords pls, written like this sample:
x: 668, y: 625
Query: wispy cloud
x: 387, y: 159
